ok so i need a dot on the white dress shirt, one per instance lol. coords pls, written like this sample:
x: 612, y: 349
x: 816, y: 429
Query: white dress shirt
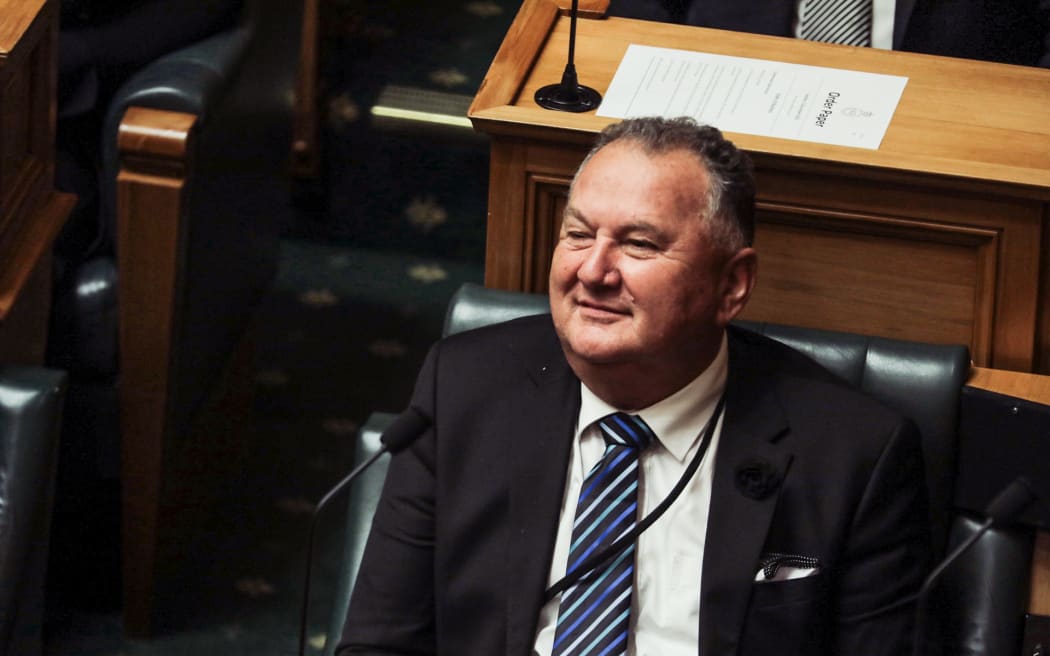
x: 882, y: 18
x: 665, y: 615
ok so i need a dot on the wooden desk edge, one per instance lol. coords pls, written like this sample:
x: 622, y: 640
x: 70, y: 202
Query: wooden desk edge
x: 521, y: 46
x: 29, y: 241
x: 1030, y: 387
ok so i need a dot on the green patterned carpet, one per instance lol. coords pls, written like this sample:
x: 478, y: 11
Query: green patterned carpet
x: 364, y: 278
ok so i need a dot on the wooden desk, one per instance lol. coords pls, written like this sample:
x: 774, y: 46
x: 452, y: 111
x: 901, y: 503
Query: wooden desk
x: 942, y: 235
x: 31, y: 211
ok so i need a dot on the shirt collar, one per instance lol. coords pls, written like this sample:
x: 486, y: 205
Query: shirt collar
x: 677, y: 419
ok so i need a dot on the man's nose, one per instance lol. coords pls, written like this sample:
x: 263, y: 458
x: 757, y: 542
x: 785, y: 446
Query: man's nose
x: 600, y: 266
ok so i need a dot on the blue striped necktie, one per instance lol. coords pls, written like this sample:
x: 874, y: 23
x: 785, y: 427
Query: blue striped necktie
x: 594, y: 614
x: 837, y: 21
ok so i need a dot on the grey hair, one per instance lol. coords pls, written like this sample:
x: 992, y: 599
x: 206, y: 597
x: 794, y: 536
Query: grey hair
x: 730, y: 194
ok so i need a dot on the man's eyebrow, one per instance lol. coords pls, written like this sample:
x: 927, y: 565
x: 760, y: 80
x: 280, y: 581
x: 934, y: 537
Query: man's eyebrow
x: 638, y: 225
x: 641, y: 225
x: 572, y: 212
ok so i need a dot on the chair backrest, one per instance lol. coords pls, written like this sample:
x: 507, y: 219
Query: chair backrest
x: 922, y: 381
x: 30, y: 413
x: 473, y: 306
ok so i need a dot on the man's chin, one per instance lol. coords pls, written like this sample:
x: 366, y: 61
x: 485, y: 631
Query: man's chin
x: 592, y: 353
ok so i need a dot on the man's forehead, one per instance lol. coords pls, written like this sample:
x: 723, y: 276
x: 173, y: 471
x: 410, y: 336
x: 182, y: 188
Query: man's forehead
x: 626, y: 157
x: 627, y: 169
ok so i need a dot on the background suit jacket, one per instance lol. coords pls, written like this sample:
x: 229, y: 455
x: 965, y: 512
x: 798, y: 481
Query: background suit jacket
x: 1007, y: 31
x: 461, y: 544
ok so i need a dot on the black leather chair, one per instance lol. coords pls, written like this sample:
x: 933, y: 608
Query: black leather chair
x: 977, y: 612
x: 30, y: 413
x: 183, y: 312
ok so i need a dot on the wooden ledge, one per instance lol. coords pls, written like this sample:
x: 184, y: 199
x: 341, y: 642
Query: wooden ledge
x: 155, y: 133
x: 1030, y: 387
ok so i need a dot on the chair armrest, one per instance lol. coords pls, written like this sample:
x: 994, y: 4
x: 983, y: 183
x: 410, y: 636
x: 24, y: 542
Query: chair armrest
x: 361, y: 506
x: 193, y: 80
x: 981, y: 601
x: 30, y: 414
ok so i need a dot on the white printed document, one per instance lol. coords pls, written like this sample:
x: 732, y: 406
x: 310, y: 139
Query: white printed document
x: 755, y: 96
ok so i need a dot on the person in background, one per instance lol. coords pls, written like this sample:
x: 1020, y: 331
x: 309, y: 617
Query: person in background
x: 1010, y: 32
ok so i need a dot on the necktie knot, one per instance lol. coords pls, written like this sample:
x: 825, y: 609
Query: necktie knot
x: 622, y: 429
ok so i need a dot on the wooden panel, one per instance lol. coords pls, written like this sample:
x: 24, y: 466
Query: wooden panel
x: 27, y: 85
x: 505, y: 239
x: 14, y: 129
x: 23, y: 333
x: 1043, y: 300
x: 29, y: 210
x: 875, y: 275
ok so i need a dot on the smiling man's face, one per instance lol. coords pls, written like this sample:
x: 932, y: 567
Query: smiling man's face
x: 635, y: 282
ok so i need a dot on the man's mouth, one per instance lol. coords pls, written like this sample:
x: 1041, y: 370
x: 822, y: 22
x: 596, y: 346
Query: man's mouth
x: 594, y: 308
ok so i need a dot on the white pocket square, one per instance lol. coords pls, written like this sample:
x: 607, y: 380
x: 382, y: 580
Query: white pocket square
x: 786, y: 573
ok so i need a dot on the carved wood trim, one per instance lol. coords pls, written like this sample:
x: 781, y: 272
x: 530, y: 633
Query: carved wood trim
x: 545, y: 201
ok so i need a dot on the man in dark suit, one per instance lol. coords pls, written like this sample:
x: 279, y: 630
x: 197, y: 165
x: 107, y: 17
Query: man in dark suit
x: 798, y: 521
x: 1007, y: 31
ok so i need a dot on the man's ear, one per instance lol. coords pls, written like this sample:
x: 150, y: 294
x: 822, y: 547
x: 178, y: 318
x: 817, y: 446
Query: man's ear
x: 738, y: 279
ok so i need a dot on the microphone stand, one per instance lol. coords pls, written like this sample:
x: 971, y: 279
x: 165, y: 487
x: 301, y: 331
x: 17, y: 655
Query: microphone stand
x: 569, y: 95
x: 405, y: 429
x: 304, y: 609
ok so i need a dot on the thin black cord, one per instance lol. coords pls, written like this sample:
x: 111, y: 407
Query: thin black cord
x: 597, y: 560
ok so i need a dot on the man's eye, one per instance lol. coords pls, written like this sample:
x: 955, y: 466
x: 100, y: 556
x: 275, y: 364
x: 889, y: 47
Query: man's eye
x: 641, y: 244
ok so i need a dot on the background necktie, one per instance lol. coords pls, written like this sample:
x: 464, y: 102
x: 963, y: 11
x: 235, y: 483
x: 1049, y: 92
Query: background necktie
x: 594, y: 614
x: 837, y: 21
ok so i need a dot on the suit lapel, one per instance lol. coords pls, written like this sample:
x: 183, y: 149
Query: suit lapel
x: 901, y: 16
x: 539, y: 449
x: 738, y: 522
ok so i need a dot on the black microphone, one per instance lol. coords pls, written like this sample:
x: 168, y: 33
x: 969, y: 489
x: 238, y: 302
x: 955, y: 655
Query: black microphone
x: 569, y: 95
x: 1003, y: 509
x: 408, y: 427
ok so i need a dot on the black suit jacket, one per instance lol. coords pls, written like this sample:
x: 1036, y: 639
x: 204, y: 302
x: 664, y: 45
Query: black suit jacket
x: 1007, y: 31
x: 462, y: 540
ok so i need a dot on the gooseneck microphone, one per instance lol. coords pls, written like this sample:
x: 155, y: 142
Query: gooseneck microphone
x: 1003, y: 509
x: 408, y: 427
x: 569, y: 95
